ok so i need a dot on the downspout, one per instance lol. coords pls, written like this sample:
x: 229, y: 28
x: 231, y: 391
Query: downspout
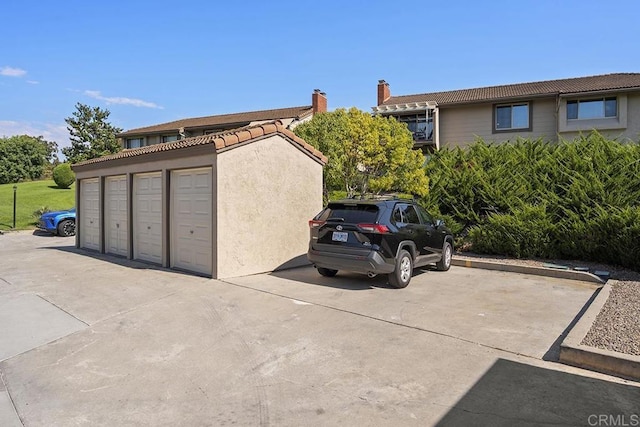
x: 558, y: 117
x: 436, y: 127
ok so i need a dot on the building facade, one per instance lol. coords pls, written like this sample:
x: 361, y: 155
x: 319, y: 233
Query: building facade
x: 551, y: 110
x: 198, y: 126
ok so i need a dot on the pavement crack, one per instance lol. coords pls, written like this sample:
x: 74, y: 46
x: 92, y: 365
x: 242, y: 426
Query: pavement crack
x: 61, y: 309
x: 13, y: 404
x: 6, y: 281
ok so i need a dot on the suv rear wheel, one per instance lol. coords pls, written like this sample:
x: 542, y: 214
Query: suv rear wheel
x: 404, y: 269
x: 327, y: 272
x: 447, y: 253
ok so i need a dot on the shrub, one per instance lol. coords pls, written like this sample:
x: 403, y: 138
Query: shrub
x: 40, y: 211
x: 525, y: 233
x: 575, y: 199
x: 63, y: 175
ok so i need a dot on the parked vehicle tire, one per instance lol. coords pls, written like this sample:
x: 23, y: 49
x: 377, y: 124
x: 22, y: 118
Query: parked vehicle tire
x: 67, y: 228
x: 401, y: 277
x: 447, y: 252
x: 326, y: 272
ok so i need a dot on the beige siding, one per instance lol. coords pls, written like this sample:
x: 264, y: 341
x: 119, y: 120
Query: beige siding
x: 267, y: 192
x: 461, y: 125
x: 633, y: 117
x: 626, y: 127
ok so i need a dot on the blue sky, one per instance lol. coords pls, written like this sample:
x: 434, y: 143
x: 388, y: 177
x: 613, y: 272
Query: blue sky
x: 150, y: 62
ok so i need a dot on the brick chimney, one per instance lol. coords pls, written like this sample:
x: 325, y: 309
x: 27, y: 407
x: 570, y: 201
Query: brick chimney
x: 384, y: 92
x: 318, y: 101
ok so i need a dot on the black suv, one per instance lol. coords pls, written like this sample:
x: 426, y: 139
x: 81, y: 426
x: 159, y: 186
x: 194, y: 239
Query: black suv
x: 378, y: 237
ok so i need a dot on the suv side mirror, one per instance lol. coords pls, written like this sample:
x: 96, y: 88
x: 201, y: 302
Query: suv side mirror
x: 439, y: 222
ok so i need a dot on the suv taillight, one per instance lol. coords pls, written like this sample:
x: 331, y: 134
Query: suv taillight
x: 314, y: 223
x: 374, y: 228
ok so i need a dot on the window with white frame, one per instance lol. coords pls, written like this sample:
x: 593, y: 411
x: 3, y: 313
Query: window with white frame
x: 511, y: 117
x: 598, y: 108
x: 135, y: 142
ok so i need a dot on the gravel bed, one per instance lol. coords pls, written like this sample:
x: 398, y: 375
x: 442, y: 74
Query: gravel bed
x: 617, y: 326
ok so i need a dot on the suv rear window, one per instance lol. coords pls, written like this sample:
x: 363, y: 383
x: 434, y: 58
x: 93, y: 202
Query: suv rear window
x: 352, y: 214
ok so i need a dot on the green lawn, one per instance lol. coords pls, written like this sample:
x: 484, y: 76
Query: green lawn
x: 31, y: 196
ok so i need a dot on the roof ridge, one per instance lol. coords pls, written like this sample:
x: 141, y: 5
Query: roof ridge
x: 518, y: 84
x: 239, y: 113
x: 220, y: 140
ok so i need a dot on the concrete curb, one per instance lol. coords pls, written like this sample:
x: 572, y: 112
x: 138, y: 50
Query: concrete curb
x: 527, y: 269
x: 573, y: 353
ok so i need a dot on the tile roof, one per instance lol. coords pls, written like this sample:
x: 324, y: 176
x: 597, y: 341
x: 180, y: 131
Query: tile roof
x: 522, y: 90
x: 218, y: 141
x: 223, y: 119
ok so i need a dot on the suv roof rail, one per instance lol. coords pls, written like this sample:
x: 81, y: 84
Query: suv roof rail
x: 385, y: 196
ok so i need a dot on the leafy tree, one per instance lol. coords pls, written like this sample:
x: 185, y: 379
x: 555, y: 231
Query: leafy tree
x: 366, y: 153
x: 91, y: 134
x: 63, y: 175
x: 24, y: 157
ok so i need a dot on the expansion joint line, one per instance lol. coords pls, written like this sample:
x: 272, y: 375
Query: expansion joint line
x: 391, y: 322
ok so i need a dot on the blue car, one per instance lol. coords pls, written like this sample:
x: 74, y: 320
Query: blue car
x: 62, y: 223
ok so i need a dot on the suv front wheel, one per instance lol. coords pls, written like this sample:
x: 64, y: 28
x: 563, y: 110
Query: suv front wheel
x: 404, y: 269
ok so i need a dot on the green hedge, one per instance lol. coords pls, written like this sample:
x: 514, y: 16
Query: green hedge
x: 573, y: 199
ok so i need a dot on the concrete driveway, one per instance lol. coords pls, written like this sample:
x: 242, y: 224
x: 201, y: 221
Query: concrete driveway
x: 96, y: 340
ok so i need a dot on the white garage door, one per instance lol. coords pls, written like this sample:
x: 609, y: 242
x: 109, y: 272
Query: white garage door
x: 147, y: 213
x: 115, y: 215
x: 191, y: 220
x: 90, y: 214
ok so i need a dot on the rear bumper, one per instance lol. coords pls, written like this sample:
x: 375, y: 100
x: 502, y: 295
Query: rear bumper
x: 369, y: 262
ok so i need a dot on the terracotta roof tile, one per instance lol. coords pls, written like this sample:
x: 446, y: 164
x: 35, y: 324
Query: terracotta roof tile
x: 255, y: 132
x: 239, y: 119
x: 230, y: 139
x: 218, y: 141
x: 269, y: 128
x: 243, y: 135
x: 521, y: 90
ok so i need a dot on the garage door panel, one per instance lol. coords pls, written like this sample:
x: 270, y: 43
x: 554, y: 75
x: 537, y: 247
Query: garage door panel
x: 202, y: 206
x: 116, y: 223
x: 191, y: 222
x: 89, y: 214
x: 147, y: 227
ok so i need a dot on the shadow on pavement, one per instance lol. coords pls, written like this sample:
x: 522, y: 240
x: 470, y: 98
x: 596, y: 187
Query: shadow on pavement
x: 114, y: 259
x: 42, y: 233
x: 512, y: 393
x: 343, y: 280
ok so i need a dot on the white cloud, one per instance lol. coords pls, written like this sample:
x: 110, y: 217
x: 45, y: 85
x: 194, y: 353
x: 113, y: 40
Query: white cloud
x: 120, y: 100
x: 12, y: 72
x: 49, y: 131
x: 33, y: 82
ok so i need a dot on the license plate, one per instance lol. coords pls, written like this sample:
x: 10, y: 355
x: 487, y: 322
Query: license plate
x: 339, y: 236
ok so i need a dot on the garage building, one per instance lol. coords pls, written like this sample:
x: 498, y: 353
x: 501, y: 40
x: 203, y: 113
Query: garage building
x: 222, y: 205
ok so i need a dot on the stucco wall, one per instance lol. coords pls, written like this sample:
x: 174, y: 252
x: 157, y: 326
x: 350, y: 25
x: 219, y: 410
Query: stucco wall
x: 267, y: 192
x: 460, y: 125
